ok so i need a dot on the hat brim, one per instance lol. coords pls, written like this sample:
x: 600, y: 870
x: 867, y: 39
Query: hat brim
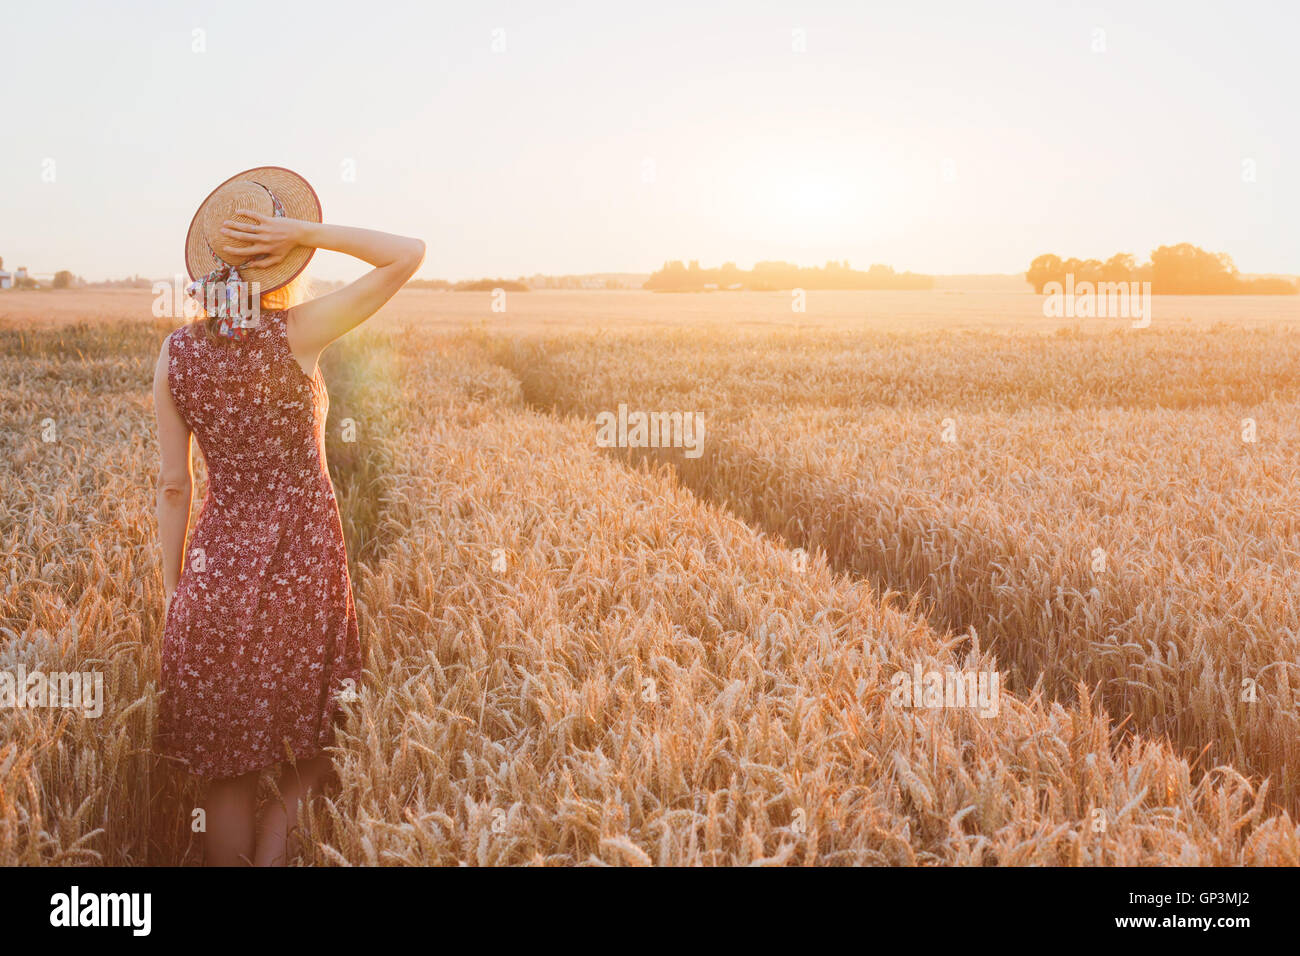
x: 299, y: 201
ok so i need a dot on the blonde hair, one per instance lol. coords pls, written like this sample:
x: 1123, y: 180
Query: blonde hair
x: 296, y: 292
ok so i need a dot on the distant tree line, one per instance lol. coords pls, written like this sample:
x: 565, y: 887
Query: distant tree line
x: 1183, y: 269
x: 769, y: 276
x: 130, y: 282
x: 595, y: 280
x: 487, y: 285
x: 469, y: 285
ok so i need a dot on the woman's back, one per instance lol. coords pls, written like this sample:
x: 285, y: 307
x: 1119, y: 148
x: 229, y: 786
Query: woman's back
x: 258, y: 418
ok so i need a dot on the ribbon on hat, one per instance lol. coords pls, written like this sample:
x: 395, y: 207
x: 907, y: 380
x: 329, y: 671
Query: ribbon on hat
x: 219, y: 293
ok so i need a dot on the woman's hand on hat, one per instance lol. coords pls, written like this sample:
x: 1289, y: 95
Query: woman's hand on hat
x: 269, y: 238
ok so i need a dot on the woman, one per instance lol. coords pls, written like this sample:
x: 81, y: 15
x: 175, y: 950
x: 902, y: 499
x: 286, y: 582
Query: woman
x: 260, y: 640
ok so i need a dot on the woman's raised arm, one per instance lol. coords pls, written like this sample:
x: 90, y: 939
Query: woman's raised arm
x: 317, y: 323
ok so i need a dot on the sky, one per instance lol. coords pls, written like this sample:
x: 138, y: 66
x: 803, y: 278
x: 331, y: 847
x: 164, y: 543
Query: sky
x: 576, y: 137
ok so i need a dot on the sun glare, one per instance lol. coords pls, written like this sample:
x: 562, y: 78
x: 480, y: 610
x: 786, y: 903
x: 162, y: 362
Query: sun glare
x: 816, y: 198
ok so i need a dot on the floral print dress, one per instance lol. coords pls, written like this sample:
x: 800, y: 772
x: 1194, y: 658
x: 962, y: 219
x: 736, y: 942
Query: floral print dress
x: 261, y: 640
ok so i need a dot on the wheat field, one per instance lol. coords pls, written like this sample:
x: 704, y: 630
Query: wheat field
x: 579, y: 655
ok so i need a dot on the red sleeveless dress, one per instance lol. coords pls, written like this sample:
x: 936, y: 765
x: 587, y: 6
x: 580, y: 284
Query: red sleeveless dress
x: 261, y: 636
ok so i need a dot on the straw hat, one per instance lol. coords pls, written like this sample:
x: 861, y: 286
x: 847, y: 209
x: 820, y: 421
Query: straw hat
x: 260, y: 189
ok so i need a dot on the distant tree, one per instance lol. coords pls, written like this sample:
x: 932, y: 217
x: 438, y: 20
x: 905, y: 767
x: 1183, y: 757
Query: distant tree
x: 1083, y: 270
x: 1046, y: 268
x: 672, y: 276
x: 62, y: 279
x: 1119, y: 268
x: 1188, y: 269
